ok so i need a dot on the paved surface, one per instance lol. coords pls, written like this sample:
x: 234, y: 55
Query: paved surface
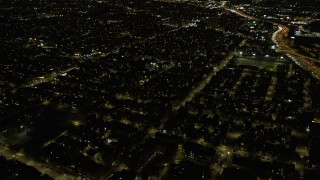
x: 41, y: 167
x: 206, y: 81
x: 279, y: 37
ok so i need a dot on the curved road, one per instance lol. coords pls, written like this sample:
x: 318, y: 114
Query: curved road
x: 279, y: 38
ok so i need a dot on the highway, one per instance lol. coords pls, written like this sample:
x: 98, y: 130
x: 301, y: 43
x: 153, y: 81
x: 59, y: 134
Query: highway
x: 279, y: 37
x: 274, y: 35
x: 303, y: 61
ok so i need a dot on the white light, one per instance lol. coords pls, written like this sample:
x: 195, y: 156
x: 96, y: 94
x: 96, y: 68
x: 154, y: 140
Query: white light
x: 308, y: 129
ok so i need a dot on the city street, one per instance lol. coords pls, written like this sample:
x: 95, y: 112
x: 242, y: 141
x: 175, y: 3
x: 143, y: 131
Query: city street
x: 207, y: 80
x: 41, y: 167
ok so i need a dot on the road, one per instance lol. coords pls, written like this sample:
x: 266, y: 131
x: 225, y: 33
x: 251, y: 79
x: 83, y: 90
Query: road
x: 203, y: 83
x: 303, y: 61
x: 49, y: 77
x: 41, y: 167
x: 206, y: 81
x: 279, y: 37
x: 44, y: 168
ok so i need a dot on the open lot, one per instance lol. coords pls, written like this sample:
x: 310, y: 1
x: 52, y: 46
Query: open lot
x: 269, y: 64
